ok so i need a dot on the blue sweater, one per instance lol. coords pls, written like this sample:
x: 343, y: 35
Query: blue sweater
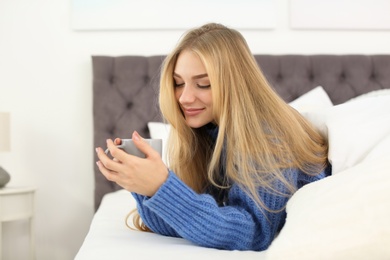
x: 176, y: 210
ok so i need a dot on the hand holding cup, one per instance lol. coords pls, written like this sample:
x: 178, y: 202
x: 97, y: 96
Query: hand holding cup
x: 136, y: 165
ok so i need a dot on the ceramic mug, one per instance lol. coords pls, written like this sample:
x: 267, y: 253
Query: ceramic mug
x: 129, y: 147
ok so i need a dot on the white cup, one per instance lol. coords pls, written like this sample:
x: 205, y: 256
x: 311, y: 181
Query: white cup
x: 129, y: 147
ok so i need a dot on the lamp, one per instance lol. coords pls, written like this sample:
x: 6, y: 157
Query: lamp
x: 4, y: 144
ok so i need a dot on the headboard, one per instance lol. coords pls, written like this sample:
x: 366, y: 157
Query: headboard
x: 125, y: 89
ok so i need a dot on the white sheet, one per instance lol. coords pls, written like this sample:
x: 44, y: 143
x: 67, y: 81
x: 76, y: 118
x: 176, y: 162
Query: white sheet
x: 109, y: 238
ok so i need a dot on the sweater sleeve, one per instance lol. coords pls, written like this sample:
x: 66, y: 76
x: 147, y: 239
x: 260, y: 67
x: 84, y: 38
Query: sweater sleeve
x: 177, y: 210
x: 152, y: 220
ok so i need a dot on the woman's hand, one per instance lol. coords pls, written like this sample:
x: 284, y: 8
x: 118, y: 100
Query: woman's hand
x: 140, y: 175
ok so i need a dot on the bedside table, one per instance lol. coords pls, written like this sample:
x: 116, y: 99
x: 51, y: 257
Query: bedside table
x: 17, y: 203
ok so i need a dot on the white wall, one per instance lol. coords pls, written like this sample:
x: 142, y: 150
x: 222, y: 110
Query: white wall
x: 45, y: 83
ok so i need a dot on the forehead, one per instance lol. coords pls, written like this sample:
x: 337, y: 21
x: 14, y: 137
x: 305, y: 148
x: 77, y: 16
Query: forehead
x: 189, y: 63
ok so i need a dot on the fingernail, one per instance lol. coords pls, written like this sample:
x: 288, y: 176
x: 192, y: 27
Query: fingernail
x: 136, y: 136
x: 97, y: 150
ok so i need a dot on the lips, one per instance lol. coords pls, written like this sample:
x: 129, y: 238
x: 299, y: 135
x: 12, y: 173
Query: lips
x: 192, y: 111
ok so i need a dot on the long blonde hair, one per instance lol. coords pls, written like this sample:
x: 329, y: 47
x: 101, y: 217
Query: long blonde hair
x: 259, y: 132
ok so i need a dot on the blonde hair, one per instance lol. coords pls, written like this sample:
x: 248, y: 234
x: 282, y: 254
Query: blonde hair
x: 259, y: 132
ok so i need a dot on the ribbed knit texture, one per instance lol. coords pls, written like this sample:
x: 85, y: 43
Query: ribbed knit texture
x: 176, y: 210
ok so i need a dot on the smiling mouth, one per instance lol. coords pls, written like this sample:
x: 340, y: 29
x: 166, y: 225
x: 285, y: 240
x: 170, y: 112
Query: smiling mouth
x: 193, y: 111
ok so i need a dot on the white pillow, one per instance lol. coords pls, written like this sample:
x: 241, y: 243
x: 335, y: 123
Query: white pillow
x: 374, y: 93
x: 345, y: 216
x: 314, y: 99
x: 160, y: 130
x: 381, y: 149
x: 353, y: 129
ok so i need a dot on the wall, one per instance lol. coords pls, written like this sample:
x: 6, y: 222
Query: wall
x: 45, y: 83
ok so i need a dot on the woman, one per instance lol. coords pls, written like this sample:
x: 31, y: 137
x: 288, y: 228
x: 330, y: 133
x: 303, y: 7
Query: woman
x: 237, y: 151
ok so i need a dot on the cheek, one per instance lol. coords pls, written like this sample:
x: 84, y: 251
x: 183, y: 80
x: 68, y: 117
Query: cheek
x: 177, y: 94
x: 207, y: 98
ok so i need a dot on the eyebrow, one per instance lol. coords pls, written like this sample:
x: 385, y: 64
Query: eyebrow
x: 194, y: 77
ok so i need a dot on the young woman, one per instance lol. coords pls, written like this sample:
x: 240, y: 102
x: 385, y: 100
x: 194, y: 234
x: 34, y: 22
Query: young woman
x: 237, y: 151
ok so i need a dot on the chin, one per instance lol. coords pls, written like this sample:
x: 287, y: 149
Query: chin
x: 196, y: 124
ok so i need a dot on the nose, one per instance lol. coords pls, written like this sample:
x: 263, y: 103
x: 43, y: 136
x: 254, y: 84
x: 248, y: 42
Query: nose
x: 186, y: 95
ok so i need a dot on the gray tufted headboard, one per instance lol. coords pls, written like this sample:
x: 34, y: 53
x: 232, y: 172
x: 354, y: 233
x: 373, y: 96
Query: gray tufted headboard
x: 125, y: 89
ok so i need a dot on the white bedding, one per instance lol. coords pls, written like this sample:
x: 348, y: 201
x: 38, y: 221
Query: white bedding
x: 345, y: 216
x: 109, y: 238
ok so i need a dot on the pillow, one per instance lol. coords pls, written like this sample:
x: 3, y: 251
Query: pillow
x: 160, y: 130
x: 352, y: 129
x: 374, y: 93
x: 381, y: 149
x: 314, y: 99
x: 345, y: 216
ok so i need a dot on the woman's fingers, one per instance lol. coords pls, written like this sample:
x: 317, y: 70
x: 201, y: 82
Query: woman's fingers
x: 141, y: 175
x: 118, y: 141
x: 105, y: 165
x: 116, y: 152
x: 143, y: 146
x: 110, y: 175
x: 108, y: 163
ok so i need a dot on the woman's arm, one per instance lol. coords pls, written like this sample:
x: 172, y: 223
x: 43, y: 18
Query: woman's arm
x: 240, y: 225
x: 151, y: 220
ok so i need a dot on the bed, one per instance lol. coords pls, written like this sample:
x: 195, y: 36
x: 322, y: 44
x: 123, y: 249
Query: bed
x: 345, y: 216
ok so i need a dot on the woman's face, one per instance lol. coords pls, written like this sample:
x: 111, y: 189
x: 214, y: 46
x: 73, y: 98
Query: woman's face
x: 192, y: 89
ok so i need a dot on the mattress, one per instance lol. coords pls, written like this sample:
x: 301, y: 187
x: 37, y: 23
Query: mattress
x: 110, y: 238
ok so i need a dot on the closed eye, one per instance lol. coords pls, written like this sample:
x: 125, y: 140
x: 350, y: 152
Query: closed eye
x: 203, y: 86
x: 178, y: 85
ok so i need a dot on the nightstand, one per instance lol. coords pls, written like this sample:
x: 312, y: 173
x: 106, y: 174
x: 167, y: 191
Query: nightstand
x: 17, y: 203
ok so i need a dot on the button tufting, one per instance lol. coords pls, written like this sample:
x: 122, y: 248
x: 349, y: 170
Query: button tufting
x: 111, y: 131
x: 111, y: 79
x: 129, y: 105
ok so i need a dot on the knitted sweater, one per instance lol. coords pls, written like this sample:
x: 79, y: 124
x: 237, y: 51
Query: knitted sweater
x: 176, y: 210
